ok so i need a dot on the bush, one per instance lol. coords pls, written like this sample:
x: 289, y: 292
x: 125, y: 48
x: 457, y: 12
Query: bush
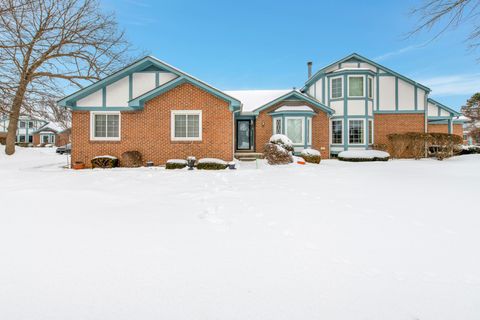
x: 283, y: 141
x: 211, y: 164
x: 363, y: 155
x: 276, y: 154
x: 104, y: 162
x: 380, y: 146
x: 175, y: 164
x: 469, y: 150
x: 131, y: 159
x: 416, y: 144
x: 311, y: 155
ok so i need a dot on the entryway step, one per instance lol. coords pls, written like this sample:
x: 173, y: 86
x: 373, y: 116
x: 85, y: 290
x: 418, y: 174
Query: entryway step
x: 248, y: 156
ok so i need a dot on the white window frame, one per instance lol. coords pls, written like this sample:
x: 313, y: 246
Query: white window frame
x: 274, y: 130
x: 92, y: 125
x: 331, y: 87
x: 173, y: 113
x: 372, y: 136
x: 331, y: 130
x: 364, y: 132
x: 303, y: 129
x: 309, y: 124
x: 370, y: 87
x: 348, y: 89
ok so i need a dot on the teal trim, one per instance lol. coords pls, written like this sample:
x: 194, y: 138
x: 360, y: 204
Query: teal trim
x: 355, y: 72
x: 323, y: 90
x: 345, y: 112
x: 297, y: 95
x: 444, y: 107
x: 439, y: 118
x: 130, y: 86
x: 378, y: 91
x: 104, y: 109
x: 397, y: 111
x: 396, y: 93
x: 140, y: 101
x: 449, y: 126
x: 293, y: 113
x: 328, y: 90
x: 363, y: 59
x: 416, y: 99
x: 157, y: 79
x: 367, y: 122
x: 104, y: 96
x: 351, y: 117
x: 139, y: 65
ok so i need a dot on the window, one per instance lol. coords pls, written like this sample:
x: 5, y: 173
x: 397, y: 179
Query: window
x: 355, y: 86
x: 187, y: 125
x: 22, y: 124
x: 337, y: 131
x: 370, y: 131
x: 277, y: 125
x: 295, y: 129
x: 44, y: 139
x: 309, y: 125
x: 370, y: 88
x: 30, y: 124
x: 30, y: 138
x: 355, y: 131
x: 105, y: 126
x: 337, y: 90
x: 21, y: 139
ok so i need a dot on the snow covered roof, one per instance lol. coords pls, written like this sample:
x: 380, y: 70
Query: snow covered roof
x: 254, y: 99
x: 294, y: 108
x: 52, y: 126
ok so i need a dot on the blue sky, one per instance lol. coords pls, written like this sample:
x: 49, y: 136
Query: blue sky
x: 265, y: 44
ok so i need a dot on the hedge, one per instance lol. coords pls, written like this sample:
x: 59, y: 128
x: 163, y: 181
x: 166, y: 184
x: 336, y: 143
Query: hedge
x: 418, y: 145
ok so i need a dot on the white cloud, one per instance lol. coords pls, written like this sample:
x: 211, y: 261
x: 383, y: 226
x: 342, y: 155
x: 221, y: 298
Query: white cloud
x: 457, y: 84
x: 400, y: 51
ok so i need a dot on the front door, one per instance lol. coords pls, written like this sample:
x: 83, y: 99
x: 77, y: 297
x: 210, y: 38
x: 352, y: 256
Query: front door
x: 244, y: 135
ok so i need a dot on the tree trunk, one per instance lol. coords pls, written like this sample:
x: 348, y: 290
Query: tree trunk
x: 13, y: 120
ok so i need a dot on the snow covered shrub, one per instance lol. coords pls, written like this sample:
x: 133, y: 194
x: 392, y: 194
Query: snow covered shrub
x: 131, y: 159
x: 363, y: 155
x: 470, y: 149
x: 283, y: 141
x: 104, y: 162
x: 311, y: 155
x: 176, y: 164
x: 211, y: 164
x: 276, y: 154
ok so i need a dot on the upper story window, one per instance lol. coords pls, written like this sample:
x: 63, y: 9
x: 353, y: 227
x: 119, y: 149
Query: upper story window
x: 355, y: 86
x: 337, y: 88
x: 370, y: 87
x: 30, y: 124
x: 337, y: 131
x: 105, y: 126
x: 186, y: 125
x: 22, y: 124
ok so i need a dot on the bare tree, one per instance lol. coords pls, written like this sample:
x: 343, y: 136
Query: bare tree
x: 448, y: 14
x: 50, y: 44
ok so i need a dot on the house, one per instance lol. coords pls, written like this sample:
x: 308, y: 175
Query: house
x: 51, y: 133
x: 154, y: 108
x: 26, y: 126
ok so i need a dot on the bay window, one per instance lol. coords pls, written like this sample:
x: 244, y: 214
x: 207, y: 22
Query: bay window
x: 295, y: 129
x: 186, y: 125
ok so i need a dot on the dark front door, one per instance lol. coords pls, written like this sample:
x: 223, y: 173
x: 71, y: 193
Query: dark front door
x: 244, y: 135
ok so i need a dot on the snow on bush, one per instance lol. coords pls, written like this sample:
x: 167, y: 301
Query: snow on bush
x: 104, y: 162
x: 176, y: 164
x: 131, y: 159
x: 211, y: 164
x: 311, y: 155
x: 363, y: 155
x: 282, y: 140
x: 276, y: 154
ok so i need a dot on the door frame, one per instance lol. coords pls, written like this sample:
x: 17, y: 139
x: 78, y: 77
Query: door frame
x: 252, y: 134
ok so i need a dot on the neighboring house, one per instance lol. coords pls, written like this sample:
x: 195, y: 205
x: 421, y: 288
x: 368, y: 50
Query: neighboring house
x: 51, y: 133
x: 26, y: 126
x: 471, y: 129
x: 164, y: 113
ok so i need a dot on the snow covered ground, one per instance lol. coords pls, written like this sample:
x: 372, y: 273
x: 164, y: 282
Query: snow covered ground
x: 383, y: 240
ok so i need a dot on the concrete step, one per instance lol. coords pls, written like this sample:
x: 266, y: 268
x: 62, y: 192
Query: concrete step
x: 248, y: 156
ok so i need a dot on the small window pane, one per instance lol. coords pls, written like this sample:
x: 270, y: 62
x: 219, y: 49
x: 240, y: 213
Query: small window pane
x: 278, y: 126
x: 355, y: 131
x: 295, y: 130
x: 180, y: 126
x: 100, y: 125
x: 22, y: 139
x: 336, y: 88
x: 370, y: 88
x: 337, y: 131
x: 112, y: 126
x: 193, y: 125
x: 355, y: 86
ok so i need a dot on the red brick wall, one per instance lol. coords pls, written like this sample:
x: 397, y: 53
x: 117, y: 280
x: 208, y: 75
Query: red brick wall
x: 148, y: 130
x: 36, y: 139
x: 458, y: 129
x: 320, y: 129
x: 437, y: 128
x: 385, y: 124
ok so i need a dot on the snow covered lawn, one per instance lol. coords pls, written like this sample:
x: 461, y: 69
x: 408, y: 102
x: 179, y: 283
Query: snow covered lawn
x: 380, y: 240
